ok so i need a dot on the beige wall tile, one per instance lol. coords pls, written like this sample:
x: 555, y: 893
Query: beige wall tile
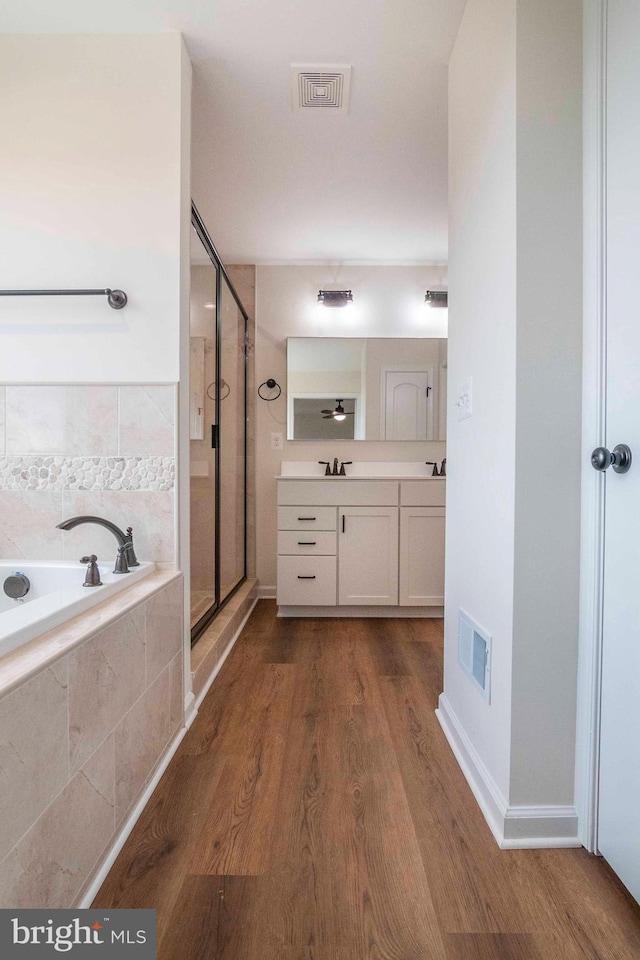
x: 140, y: 739
x: 202, y: 532
x: 52, y: 861
x: 164, y: 628
x: 34, y: 751
x: 100, y: 769
x: 66, y: 420
x: 150, y: 513
x: 106, y: 676
x: 146, y: 421
x: 28, y: 521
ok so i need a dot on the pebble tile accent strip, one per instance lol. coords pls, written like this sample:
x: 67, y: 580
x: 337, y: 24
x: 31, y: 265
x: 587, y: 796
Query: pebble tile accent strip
x: 87, y: 473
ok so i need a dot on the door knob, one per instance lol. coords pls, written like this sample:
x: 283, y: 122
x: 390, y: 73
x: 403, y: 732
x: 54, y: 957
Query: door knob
x: 619, y: 458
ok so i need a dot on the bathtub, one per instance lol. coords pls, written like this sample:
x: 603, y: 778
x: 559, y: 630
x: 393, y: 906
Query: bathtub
x: 56, y: 594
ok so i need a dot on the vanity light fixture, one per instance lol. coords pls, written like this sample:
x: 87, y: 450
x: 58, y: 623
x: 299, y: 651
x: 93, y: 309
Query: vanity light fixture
x: 335, y: 298
x: 436, y: 298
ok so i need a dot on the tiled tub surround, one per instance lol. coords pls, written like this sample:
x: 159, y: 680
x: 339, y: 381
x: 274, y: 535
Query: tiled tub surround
x: 86, y: 449
x: 88, y: 713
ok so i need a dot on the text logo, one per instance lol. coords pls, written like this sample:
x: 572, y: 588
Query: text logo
x: 98, y: 934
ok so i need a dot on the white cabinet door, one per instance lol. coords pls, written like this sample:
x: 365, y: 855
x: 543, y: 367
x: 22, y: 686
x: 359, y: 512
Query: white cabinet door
x: 367, y: 556
x: 422, y: 556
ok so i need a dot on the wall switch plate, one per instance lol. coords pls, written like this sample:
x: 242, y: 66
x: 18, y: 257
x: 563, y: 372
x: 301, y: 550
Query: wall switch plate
x: 463, y: 402
x: 277, y: 441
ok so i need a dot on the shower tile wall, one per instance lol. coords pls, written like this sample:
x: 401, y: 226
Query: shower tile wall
x: 68, y: 450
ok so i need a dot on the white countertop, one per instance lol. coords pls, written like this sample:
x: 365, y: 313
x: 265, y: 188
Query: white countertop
x: 358, y: 470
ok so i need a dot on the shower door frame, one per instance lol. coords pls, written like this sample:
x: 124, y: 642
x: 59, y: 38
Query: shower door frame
x: 221, y: 273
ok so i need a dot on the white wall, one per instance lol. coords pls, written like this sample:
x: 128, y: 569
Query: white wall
x: 548, y: 405
x: 90, y: 189
x: 482, y: 344
x: 515, y: 313
x: 388, y: 302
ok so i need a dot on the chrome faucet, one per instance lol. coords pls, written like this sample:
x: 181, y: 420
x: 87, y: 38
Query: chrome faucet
x: 126, y: 556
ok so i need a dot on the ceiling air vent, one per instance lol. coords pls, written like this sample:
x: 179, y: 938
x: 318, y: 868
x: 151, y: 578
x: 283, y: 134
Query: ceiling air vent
x: 320, y: 86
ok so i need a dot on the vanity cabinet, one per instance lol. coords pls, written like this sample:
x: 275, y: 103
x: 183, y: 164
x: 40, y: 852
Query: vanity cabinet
x: 360, y: 547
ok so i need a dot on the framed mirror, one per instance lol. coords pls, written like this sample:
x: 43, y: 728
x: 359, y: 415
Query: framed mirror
x: 351, y: 388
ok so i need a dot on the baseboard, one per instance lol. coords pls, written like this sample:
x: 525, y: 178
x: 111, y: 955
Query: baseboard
x: 388, y: 613
x: 267, y: 592
x: 227, y: 650
x: 190, y: 711
x: 514, y: 827
x: 124, y: 832
x: 540, y: 826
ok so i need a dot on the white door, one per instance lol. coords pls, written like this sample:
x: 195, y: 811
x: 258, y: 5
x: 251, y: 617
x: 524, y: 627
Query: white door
x: 619, y: 787
x: 368, y: 556
x: 407, y: 400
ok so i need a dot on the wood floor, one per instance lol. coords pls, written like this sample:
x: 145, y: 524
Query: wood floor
x: 314, y: 811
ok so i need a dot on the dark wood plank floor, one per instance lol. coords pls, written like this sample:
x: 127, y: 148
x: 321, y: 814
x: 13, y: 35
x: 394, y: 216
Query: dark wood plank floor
x: 314, y: 811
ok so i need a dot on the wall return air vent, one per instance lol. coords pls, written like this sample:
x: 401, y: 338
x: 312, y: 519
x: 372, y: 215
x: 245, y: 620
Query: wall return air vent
x: 320, y: 86
x: 474, y: 654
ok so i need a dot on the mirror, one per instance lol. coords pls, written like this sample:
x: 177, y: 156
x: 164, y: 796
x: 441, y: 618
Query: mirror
x: 342, y: 388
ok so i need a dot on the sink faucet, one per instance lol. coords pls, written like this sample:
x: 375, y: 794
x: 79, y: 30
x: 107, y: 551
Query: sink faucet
x: 126, y: 556
x: 335, y: 472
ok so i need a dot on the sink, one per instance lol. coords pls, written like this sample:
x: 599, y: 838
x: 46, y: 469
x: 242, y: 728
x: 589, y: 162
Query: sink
x: 360, y: 469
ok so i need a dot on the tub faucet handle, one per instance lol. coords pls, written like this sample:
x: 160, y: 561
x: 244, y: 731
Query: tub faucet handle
x: 121, y: 560
x: 92, y: 576
x: 132, y: 560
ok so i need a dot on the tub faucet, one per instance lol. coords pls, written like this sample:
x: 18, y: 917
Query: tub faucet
x: 126, y: 555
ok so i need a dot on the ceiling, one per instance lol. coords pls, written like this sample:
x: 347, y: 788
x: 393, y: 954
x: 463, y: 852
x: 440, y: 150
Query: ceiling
x: 278, y: 185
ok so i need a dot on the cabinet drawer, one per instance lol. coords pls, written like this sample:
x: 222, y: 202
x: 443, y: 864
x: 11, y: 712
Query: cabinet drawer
x: 342, y: 493
x: 320, y: 543
x: 306, y: 581
x: 306, y: 518
x: 422, y: 493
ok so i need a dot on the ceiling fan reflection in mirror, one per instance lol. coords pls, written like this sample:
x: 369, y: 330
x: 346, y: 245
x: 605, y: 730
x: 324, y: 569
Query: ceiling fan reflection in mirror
x: 339, y: 413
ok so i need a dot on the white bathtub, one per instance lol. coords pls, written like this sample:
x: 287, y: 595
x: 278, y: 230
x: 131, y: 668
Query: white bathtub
x: 56, y: 594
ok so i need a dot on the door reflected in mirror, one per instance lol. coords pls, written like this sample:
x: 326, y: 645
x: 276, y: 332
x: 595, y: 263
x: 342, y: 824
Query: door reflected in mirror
x: 343, y: 388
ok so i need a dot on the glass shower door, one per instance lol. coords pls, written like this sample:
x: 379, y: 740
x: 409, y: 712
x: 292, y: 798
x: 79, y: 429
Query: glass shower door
x: 202, y: 368
x: 218, y: 488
